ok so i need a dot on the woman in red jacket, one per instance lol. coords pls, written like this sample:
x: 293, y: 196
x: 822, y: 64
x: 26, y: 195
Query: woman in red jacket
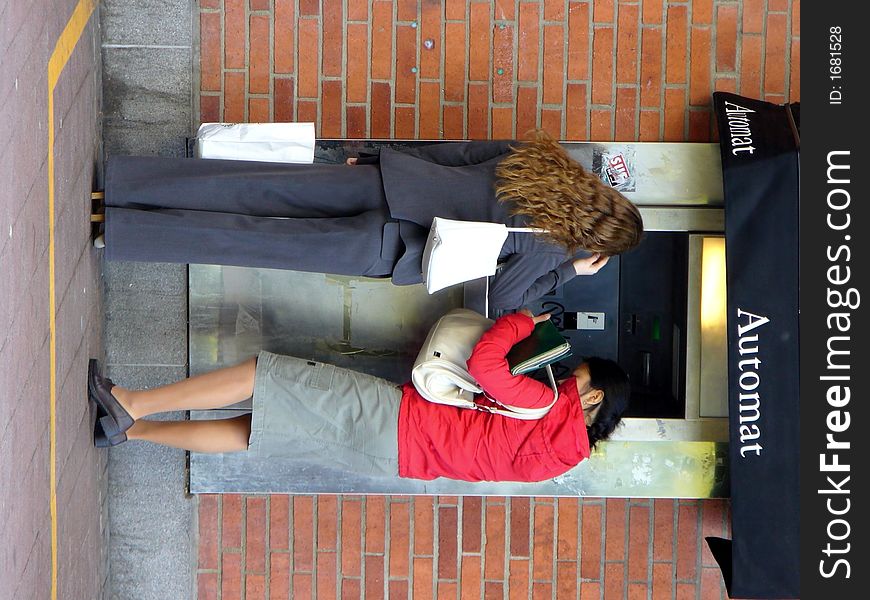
x: 318, y: 412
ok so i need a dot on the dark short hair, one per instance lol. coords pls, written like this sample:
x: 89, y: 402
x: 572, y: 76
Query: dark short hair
x: 610, y: 378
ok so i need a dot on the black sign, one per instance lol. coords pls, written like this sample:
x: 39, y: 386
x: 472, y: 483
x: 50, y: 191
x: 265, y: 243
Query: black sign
x: 760, y: 145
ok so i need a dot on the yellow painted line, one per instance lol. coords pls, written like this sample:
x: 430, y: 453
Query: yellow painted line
x: 59, y: 57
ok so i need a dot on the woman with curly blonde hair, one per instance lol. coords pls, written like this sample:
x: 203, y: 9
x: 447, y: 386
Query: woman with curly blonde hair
x: 574, y: 206
x: 372, y: 218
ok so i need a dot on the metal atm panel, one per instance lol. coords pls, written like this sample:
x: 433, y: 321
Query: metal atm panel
x: 662, y: 307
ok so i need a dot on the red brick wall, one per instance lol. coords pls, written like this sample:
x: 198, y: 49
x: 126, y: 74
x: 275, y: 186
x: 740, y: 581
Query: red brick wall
x: 599, y: 70
x: 449, y: 547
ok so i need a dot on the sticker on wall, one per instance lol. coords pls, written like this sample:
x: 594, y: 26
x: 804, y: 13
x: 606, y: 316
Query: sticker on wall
x: 615, y: 166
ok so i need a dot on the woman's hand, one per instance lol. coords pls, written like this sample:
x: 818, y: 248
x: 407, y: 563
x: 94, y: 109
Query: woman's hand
x: 351, y: 161
x: 535, y: 320
x: 590, y: 265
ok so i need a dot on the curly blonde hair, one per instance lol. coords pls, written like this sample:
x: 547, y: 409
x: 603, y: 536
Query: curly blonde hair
x: 577, y: 209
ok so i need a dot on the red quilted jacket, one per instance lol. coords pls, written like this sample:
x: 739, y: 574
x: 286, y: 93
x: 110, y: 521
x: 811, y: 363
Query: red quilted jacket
x: 444, y: 441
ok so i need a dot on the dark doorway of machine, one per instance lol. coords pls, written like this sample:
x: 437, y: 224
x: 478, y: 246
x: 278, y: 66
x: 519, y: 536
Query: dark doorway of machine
x: 634, y: 312
x: 653, y: 284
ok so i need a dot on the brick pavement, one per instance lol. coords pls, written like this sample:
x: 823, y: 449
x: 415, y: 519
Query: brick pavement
x: 588, y: 70
x: 28, y: 36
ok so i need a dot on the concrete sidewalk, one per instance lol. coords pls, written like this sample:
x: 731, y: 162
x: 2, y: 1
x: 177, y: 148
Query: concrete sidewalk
x: 147, y: 83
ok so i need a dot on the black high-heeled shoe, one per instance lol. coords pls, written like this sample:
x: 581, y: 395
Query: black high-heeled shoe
x: 116, y: 419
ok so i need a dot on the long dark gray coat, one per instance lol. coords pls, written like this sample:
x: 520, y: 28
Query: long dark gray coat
x: 370, y: 219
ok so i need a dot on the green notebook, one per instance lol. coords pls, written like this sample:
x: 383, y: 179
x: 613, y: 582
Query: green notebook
x: 543, y: 347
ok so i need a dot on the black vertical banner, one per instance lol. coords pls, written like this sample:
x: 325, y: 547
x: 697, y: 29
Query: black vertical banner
x: 834, y: 419
x: 759, y: 144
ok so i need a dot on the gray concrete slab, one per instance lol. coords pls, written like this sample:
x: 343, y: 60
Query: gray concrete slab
x: 146, y: 22
x: 145, y: 314
x: 146, y: 100
x: 151, y: 515
x: 146, y: 53
x: 149, y: 512
x: 138, y: 278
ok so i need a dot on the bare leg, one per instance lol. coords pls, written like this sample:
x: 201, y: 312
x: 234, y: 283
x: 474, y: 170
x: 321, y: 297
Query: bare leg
x: 211, y: 390
x: 221, y: 435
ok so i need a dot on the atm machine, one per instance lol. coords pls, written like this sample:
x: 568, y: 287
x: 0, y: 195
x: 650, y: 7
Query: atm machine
x: 662, y: 311
x: 657, y: 310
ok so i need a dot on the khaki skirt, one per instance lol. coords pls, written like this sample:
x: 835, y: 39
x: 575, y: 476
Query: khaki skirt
x: 325, y: 415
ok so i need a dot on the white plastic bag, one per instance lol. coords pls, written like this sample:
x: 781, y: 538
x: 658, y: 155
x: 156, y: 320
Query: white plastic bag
x: 267, y: 142
x: 459, y: 251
